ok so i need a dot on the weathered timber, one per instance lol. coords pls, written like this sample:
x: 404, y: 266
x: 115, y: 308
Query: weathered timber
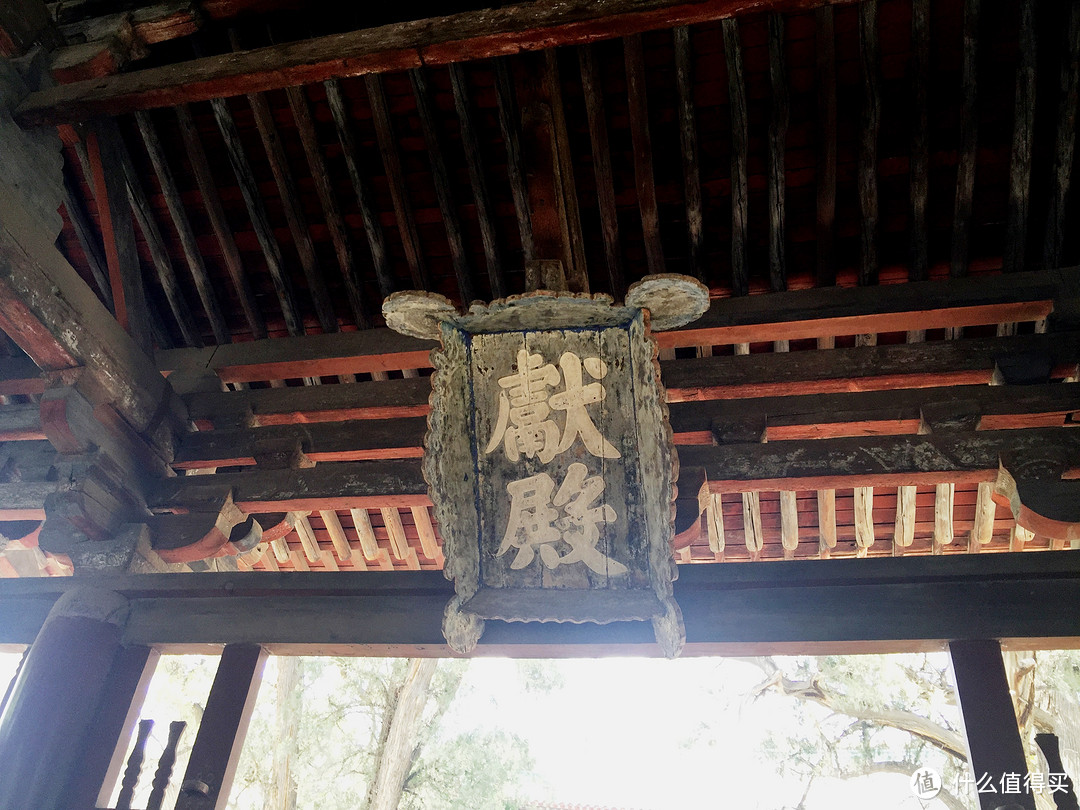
x: 312, y: 355
x: 335, y: 222
x: 88, y: 241
x: 20, y: 423
x: 344, y: 485
x: 853, y: 311
x: 401, y: 46
x: 155, y: 243
x: 324, y: 441
x: 180, y: 220
x: 994, y: 744
x: 510, y: 126
x: 399, y: 194
x: 740, y: 268
x: 634, y: 59
x: 920, y: 138
x: 859, y: 461
x: 361, y: 187
x: 474, y: 159
x: 217, y: 745
x: 218, y: 222
x: 993, y: 407
x: 870, y: 60
x: 294, y: 214
x: 24, y: 23
x: 688, y: 143
x: 869, y: 368
x: 433, y: 141
x: 1065, y: 139
x: 389, y: 399
x: 825, y: 165
x: 577, y: 275
x: 969, y: 135
x: 601, y: 160
x: 114, y: 214
x: 778, y: 125
x: 1022, y: 143
x: 260, y: 221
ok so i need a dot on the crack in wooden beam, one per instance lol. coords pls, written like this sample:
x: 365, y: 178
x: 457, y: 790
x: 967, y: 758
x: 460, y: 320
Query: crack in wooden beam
x: 969, y: 136
x: 740, y: 268
x: 1022, y: 142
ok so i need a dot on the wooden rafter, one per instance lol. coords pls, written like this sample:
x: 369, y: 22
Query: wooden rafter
x: 461, y: 37
x: 740, y: 267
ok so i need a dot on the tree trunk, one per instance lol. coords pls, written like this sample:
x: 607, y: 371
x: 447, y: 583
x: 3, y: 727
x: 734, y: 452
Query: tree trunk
x: 400, y: 738
x: 287, y: 710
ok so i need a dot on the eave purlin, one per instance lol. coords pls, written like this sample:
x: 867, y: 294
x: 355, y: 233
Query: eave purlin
x: 434, y: 41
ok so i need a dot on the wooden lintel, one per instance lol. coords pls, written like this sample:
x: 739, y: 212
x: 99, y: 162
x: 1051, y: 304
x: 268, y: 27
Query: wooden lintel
x: 886, y: 461
x: 752, y: 608
x: 400, y: 46
x: 747, y: 319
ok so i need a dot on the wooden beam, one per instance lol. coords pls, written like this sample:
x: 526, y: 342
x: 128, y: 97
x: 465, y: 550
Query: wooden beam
x: 688, y: 143
x: 216, y: 750
x: 872, y: 368
x: 114, y: 214
x: 825, y: 166
x: 444, y: 193
x: 853, y: 311
x: 789, y: 522
x: 364, y: 198
x: 740, y: 268
x: 982, y: 532
x: 918, y: 269
x: 204, y: 178
x: 182, y: 224
x: 943, y: 515
x: 344, y: 485
x: 751, y: 510
x: 969, y: 137
x: 860, y: 461
x: 260, y: 221
x: 25, y: 23
x: 510, y: 126
x: 1065, y: 139
x: 335, y: 222
x: 864, y: 519
x: 778, y: 125
x: 634, y: 59
x: 88, y: 241
x: 601, y: 159
x: 478, y: 179
x: 441, y: 40
x: 577, y: 275
x: 994, y: 745
x: 388, y: 148
x: 870, y: 59
x: 294, y: 213
x: 764, y: 608
x: 1023, y: 133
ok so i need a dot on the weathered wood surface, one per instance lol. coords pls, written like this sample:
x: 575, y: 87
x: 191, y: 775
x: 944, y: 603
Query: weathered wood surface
x: 969, y: 135
x: 211, y: 199
x: 860, y: 461
x: 867, y: 368
x: 825, y: 167
x: 1065, y: 140
x: 634, y: 59
x: 688, y: 143
x: 790, y: 315
x: 1022, y: 143
x: 778, y: 126
x: 870, y: 61
x: 920, y: 138
x: 740, y: 609
x: 740, y: 269
x: 401, y: 46
x: 334, y: 486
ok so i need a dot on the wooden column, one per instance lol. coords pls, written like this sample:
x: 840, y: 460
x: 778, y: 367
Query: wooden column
x: 48, y: 725
x: 224, y: 723
x: 993, y: 737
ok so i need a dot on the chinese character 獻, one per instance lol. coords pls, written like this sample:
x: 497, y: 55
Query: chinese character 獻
x: 523, y: 426
x: 535, y: 524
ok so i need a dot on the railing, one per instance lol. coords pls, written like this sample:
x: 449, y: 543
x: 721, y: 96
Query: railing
x: 162, y: 775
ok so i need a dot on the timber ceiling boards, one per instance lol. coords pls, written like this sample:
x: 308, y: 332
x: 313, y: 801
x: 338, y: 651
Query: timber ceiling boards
x: 305, y: 207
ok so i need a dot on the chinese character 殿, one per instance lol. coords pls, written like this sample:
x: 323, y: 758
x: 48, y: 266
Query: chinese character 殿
x: 535, y: 523
x: 525, y: 403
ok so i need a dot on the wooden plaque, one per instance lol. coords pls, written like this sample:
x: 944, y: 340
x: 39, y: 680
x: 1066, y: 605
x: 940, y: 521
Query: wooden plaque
x: 550, y: 463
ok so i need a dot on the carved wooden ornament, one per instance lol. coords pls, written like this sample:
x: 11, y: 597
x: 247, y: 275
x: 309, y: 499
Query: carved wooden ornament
x: 550, y: 463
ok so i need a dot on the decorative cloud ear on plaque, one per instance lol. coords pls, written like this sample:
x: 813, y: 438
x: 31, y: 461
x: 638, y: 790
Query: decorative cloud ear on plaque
x: 673, y: 300
x: 417, y: 313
